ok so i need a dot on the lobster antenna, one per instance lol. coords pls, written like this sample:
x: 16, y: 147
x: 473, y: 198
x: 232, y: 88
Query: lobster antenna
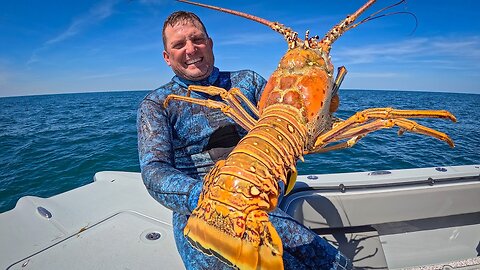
x: 289, y: 35
x: 229, y: 11
x: 348, y: 23
x: 377, y: 15
x: 342, y: 27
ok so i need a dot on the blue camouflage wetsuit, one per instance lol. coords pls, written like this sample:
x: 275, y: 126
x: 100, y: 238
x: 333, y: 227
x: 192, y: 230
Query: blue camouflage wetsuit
x: 179, y: 144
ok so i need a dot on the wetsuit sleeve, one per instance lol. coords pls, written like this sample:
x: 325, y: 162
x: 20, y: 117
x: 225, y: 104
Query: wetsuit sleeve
x: 259, y: 82
x: 169, y: 186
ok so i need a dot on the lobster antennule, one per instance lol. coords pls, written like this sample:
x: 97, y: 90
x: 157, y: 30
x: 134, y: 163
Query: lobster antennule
x: 343, y: 26
x: 289, y: 35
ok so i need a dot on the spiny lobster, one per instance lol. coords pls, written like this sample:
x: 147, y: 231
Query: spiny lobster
x: 294, y: 119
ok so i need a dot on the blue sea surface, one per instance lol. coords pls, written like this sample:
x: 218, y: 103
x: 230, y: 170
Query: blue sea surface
x: 54, y: 143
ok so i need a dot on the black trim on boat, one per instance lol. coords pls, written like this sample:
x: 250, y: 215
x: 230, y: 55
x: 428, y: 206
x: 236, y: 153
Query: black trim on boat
x: 406, y: 226
x: 345, y: 230
x: 425, y: 224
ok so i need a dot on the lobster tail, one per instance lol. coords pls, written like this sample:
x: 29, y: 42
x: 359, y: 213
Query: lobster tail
x: 231, y: 220
x: 246, y: 243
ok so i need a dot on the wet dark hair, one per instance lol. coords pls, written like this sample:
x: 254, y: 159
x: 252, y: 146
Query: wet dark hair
x: 181, y: 16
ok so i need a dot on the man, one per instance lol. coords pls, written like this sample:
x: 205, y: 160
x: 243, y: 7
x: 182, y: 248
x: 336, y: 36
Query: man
x: 180, y: 143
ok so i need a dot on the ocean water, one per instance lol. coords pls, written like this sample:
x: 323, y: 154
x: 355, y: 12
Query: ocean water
x: 50, y: 144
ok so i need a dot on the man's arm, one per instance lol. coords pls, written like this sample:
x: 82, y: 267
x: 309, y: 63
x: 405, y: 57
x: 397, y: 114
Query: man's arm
x: 169, y: 186
x: 259, y: 83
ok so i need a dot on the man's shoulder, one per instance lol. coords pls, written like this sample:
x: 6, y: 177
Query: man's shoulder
x: 243, y: 76
x: 159, y: 94
x: 242, y: 72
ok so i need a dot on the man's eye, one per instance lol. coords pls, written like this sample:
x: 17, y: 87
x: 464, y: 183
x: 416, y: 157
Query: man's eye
x: 199, y: 40
x: 178, y: 45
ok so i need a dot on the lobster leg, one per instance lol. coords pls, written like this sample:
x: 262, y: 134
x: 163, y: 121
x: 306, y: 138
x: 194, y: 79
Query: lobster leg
x: 350, y: 143
x: 228, y: 96
x: 413, y: 126
x: 356, y: 132
x: 379, y: 113
x: 238, y: 114
x: 390, y: 113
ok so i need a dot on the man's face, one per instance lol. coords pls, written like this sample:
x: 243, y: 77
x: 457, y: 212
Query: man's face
x: 188, y: 51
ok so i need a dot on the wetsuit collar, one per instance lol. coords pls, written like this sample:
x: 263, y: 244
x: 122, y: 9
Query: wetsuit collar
x: 205, y: 82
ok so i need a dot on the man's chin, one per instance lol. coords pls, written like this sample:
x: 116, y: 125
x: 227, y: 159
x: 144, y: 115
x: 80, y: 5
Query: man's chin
x: 197, y: 76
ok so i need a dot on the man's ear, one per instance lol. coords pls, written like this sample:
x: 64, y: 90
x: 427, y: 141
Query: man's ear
x: 211, y: 43
x: 166, y: 57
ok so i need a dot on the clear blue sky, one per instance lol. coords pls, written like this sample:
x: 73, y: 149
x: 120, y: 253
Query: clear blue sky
x: 89, y: 46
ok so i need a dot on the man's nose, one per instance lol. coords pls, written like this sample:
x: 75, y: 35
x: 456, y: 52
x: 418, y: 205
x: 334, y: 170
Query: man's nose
x: 189, y: 47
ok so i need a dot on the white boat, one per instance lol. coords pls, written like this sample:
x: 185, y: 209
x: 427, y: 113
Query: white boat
x: 427, y: 218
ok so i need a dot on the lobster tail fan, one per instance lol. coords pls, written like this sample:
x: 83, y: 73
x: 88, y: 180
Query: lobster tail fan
x: 258, y: 246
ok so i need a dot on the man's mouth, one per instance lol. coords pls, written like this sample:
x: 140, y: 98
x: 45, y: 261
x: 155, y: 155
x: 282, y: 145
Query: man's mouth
x: 194, y: 61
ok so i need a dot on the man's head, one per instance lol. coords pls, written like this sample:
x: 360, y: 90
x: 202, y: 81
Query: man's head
x: 187, y: 48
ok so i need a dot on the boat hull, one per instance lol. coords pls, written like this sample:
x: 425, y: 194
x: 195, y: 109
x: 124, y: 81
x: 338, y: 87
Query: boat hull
x: 399, y: 219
